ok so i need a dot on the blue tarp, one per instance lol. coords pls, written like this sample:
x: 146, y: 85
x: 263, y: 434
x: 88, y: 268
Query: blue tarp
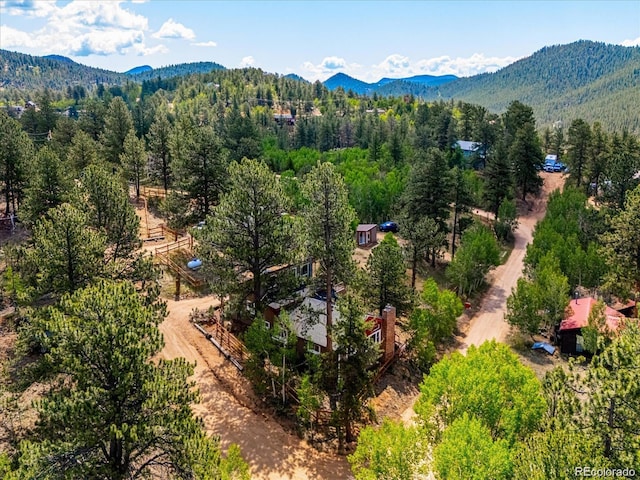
x: 544, y: 346
x: 194, y: 264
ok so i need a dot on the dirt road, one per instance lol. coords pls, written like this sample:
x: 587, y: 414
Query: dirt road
x: 489, y: 321
x: 272, y: 452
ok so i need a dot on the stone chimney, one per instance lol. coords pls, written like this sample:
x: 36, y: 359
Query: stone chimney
x: 388, y: 332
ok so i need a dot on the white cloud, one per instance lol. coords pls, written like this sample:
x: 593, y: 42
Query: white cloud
x: 394, y: 64
x: 29, y: 8
x: 205, y: 44
x: 97, y: 15
x: 327, y: 67
x: 247, y: 61
x: 106, y: 42
x: 631, y: 43
x: 141, y: 50
x: 173, y: 29
x: 333, y: 63
x: 400, y: 66
x: 10, y: 37
x: 82, y: 28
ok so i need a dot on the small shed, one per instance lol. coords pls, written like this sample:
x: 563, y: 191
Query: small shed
x: 367, y: 235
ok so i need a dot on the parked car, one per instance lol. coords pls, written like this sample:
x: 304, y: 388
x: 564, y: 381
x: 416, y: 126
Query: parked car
x: 559, y: 167
x: 549, y: 165
x: 388, y: 227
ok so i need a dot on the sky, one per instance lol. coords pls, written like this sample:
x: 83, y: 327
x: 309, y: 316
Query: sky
x: 315, y: 39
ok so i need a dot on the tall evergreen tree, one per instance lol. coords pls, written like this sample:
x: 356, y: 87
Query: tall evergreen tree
x: 622, y: 248
x: 117, y: 125
x: 579, y: 148
x: 118, y: 414
x: 50, y: 185
x: 422, y: 236
x: 200, y: 166
x: 526, y: 160
x: 16, y: 150
x: 427, y: 191
x: 346, y: 371
x: 134, y: 159
x: 82, y: 151
x: 598, y: 159
x: 73, y: 252
x: 328, y: 219
x: 159, y: 137
x: 498, y: 180
x: 386, y: 277
x: 248, y: 234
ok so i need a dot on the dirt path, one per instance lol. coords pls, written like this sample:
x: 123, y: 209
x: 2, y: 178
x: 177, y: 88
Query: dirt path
x: 489, y: 323
x: 272, y: 452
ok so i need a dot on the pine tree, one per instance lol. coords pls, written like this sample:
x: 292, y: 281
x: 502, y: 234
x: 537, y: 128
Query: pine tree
x: 73, y: 252
x: 118, y: 415
x: 134, y: 159
x: 328, y: 220
x: 579, y: 148
x: 16, y: 151
x: 159, y: 138
x: 49, y: 186
x: 526, y: 160
x: 117, y: 125
x: 248, y: 234
x: 386, y: 277
x: 200, y: 166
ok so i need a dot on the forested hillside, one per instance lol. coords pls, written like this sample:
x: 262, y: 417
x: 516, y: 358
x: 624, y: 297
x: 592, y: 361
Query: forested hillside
x: 584, y: 79
x: 26, y: 72
x: 590, y: 80
x: 23, y: 72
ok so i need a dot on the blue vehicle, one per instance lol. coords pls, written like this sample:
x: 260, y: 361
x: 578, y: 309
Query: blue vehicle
x: 559, y: 167
x: 388, y: 227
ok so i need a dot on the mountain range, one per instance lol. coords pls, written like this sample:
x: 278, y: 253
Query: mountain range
x: 362, y: 88
x: 585, y: 79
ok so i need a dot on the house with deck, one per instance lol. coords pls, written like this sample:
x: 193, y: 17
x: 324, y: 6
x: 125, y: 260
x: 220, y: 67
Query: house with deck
x: 309, y: 323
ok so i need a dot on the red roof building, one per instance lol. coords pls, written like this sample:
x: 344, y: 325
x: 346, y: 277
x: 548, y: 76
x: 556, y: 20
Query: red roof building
x: 577, y: 317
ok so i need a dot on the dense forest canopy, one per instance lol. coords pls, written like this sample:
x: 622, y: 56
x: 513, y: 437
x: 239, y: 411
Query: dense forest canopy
x: 584, y: 79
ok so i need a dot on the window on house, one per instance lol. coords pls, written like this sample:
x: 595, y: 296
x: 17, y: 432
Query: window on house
x: 305, y: 270
x: 314, y: 348
x: 267, y: 324
x: 281, y: 336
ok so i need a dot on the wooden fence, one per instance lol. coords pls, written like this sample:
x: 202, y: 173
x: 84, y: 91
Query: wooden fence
x: 225, y: 341
x: 184, y: 243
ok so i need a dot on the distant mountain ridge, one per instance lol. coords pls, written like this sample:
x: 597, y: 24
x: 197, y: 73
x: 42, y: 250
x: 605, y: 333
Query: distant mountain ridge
x: 363, y: 88
x: 140, y: 69
x: 584, y: 79
x: 24, y: 72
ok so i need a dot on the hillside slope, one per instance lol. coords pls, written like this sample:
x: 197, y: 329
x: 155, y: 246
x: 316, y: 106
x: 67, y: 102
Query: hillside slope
x: 594, y: 81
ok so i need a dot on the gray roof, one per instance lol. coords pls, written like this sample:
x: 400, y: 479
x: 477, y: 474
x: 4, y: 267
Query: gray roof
x: 467, y: 146
x: 365, y: 227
